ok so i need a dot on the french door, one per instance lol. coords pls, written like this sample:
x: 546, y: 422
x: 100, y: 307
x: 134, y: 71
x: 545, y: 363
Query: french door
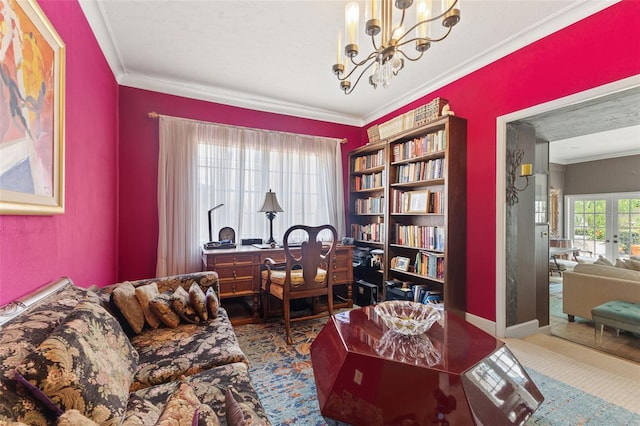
x: 605, y: 224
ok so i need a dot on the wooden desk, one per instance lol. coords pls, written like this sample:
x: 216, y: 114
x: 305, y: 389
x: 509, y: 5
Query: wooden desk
x: 239, y: 273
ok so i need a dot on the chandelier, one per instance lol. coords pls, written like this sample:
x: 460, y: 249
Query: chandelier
x: 389, y: 39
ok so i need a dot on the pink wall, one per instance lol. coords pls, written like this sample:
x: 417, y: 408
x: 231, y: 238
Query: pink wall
x: 81, y: 243
x: 139, y: 162
x: 585, y: 55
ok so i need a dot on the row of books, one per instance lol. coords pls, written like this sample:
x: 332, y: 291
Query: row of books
x: 420, y: 293
x: 424, y: 201
x: 429, y: 144
x: 421, y: 170
x: 374, y: 180
x: 430, y: 264
x: 427, y: 237
x: 368, y: 232
x: 372, y: 205
x: 367, y: 162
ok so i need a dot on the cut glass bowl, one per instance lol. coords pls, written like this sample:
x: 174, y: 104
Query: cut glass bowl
x: 408, y: 318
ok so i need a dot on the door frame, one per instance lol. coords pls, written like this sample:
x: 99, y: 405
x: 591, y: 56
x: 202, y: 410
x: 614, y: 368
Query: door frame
x: 532, y: 327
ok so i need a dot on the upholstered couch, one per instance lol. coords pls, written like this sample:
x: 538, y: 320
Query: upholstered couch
x: 71, y: 355
x: 590, y: 285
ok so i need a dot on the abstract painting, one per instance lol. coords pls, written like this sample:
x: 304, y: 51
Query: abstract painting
x: 32, y: 59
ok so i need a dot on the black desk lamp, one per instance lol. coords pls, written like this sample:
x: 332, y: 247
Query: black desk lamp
x: 270, y: 207
x: 210, y: 210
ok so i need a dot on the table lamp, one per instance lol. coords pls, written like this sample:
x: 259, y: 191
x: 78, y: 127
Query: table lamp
x: 270, y: 207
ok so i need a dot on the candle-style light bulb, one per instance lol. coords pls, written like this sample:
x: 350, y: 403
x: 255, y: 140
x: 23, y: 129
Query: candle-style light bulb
x: 351, y: 18
x: 423, y: 12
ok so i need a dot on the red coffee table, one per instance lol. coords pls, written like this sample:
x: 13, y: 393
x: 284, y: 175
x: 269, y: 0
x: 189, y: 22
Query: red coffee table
x: 454, y: 374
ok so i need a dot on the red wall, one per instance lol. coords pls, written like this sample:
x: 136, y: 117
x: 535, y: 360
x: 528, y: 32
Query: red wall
x: 139, y: 162
x: 81, y: 243
x: 595, y: 51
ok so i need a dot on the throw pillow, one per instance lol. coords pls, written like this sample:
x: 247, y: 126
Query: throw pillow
x: 146, y: 294
x: 161, y: 306
x: 198, y: 301
x: 603, y: 261
x: 620, y: 264
x: 87, y: 363
x: 207, y: 417
x: 181, y: 306
x: 212, y: 303
x: 632, y: 264
x: 124, y: 297
x: 233, y: 411
x: 74, y: 418
x: 182, y: 408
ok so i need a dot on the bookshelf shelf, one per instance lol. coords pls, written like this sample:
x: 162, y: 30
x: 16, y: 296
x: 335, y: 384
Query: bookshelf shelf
x: 423, y: 218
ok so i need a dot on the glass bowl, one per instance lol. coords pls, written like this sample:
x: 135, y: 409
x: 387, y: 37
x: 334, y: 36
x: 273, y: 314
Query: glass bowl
x: 408, y: 318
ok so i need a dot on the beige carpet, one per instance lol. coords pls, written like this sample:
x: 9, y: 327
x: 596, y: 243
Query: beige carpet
x: 615, y: 380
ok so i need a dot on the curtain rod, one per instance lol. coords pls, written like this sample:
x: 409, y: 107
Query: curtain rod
x: 155, y: 115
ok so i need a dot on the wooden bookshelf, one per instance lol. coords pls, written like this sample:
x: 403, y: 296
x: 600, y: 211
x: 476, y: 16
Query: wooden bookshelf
x: 423, y: 198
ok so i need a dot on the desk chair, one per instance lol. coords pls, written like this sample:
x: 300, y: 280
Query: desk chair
x: 306, y: 273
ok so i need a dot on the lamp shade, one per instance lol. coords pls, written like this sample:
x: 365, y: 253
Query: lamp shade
x: 270, y: 203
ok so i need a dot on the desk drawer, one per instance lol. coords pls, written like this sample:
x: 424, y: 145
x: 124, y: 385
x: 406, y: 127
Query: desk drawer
x: 232, y: 259
x: 231, y: 288
x: 234, y: 272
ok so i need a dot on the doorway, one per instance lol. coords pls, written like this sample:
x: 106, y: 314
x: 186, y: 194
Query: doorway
x: 548, y: 117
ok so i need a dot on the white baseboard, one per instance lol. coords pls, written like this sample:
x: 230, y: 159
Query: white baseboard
x: 482, y: 323
x: 525, y: 329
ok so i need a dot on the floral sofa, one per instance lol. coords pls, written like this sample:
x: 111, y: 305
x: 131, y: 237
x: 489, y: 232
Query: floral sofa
x: 72, y: 356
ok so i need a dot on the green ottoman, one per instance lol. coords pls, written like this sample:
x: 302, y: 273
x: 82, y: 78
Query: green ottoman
x: 617, y: 314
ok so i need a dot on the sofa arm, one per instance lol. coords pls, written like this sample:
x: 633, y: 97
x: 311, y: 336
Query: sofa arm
x: 205, y: 279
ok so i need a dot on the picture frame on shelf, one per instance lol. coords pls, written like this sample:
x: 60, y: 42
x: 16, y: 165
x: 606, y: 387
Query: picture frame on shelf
x: 418, y: 201
x: 32, y: 148
x: 402, y: 263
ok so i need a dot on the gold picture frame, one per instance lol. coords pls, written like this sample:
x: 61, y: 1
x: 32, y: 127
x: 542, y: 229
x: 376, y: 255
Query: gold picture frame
x: 33, y: 89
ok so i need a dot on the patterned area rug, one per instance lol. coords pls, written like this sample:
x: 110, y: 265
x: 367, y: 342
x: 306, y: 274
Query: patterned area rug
x: 283, y: 378
x: 626, y: 345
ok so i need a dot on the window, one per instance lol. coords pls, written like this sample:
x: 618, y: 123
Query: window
x: 299, y: 169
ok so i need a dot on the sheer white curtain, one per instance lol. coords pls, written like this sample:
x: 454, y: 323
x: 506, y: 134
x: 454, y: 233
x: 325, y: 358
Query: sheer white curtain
x: 236, y: 166
x: 178, y: 249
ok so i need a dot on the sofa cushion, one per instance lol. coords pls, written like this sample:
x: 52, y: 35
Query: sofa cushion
x: 607, y: 271
x: 185, y: 350
x: 212, y: 303
x: 161, y: 306
x: 20, y: 336
x: 86, y: 363
x: 210, y: 387
x: 181, y: 409
x: 124, y: 297
x: 632, y: 264
x: 146, y: 294
x: 75, y: 418
x: 181, y: 306
x: 198, y: 301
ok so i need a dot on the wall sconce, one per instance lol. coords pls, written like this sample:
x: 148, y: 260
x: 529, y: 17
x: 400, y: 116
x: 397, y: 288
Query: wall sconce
x: 270, y: 207
x: 514, y: 165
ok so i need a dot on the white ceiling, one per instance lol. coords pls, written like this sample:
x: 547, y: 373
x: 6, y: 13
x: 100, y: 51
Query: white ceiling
x: 276, y: 55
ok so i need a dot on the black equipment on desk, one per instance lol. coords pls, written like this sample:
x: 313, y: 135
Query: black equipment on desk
x: 224, y: 244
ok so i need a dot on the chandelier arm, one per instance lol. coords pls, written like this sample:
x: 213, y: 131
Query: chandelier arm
x: 359, y: 77
x: 432, y: 40
x: 346, y: 77
x: 410, y: 59
x: 364, y: 61
x: 400, y: 26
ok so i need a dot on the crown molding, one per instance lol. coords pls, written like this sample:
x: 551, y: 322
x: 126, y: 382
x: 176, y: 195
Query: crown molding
x: 234, y: 98
x: 95, y: 16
